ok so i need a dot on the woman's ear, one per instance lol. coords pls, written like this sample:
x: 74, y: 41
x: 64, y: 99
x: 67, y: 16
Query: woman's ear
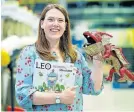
x: 41, y: 23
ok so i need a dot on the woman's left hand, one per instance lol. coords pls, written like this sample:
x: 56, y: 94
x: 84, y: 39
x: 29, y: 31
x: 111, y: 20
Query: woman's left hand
x: 98, y: 57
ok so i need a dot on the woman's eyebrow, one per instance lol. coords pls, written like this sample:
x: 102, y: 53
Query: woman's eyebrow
x: 55, y: 17
x: 50, y: 17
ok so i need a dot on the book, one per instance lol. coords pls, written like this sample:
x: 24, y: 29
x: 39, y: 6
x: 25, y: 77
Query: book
x: 53, y: 76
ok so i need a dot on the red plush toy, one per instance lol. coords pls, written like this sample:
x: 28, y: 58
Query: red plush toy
x: 98, y: 42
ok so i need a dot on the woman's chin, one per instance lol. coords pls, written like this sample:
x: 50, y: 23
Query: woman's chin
x: 53, y: 38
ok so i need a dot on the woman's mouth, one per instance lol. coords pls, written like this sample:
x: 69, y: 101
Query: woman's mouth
x: 54, y: 30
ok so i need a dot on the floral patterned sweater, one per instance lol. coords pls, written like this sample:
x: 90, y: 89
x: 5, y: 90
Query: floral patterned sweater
x: 24, y: 86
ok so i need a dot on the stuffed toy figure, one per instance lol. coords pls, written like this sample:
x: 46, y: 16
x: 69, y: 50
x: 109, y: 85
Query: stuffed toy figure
x: 99, y: 42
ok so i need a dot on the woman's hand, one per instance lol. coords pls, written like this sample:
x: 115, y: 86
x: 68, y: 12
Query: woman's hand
x: 98, y: 57
x: 68, y: 95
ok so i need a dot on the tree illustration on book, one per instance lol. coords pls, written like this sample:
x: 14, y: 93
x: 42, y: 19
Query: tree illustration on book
x: 59, y: 88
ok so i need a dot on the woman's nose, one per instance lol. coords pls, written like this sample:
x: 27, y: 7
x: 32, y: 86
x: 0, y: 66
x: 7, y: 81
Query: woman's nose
x: 56, y: 23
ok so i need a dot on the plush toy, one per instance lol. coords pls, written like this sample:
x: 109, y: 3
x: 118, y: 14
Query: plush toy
x: 99, y: 42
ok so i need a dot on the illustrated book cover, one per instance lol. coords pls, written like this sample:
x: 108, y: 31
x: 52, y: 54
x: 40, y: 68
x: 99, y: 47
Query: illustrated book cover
x: 53, y: 76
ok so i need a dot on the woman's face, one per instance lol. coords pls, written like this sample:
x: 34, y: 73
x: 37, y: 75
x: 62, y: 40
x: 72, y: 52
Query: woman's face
x: 53, y: 24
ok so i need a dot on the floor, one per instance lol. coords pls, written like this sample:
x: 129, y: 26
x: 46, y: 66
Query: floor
x: 110, y: 100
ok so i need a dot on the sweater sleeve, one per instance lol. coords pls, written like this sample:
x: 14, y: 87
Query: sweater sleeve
x: 88, y: 84
x: 24, y: 78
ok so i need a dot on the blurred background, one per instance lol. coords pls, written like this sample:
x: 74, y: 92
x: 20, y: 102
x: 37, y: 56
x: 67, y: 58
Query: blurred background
x: 19, y: 26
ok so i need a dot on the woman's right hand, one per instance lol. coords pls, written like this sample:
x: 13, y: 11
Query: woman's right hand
x: 68, y: 95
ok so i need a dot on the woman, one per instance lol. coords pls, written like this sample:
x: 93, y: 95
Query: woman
x: 54, y: 44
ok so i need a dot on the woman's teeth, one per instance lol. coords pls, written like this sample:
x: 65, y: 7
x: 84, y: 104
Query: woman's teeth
x: 54, y: 30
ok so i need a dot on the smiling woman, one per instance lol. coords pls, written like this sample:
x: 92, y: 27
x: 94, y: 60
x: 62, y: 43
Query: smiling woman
x: 53, y: 24
x: 54, y: 45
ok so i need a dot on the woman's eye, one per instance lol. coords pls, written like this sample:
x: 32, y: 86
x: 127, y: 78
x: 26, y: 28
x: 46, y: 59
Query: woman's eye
x: 60, y: 20
x: 50, y: 19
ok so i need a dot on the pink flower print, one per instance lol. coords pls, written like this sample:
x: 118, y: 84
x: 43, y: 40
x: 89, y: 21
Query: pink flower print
x: 20, y: 82
x: 31, y: 97
x: 69, y: 107
x: 79, y: 61
x: 84, y: 68
x: 28, y: 61
x: 88, y: 71
x: 26, y: 75
x: 77, y: 101
x: 30, y: 90
x: 20, y: 97
x: 19, y: 70
x: 45, y: 106
x: 80, y: 90
x: 78, y: 72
